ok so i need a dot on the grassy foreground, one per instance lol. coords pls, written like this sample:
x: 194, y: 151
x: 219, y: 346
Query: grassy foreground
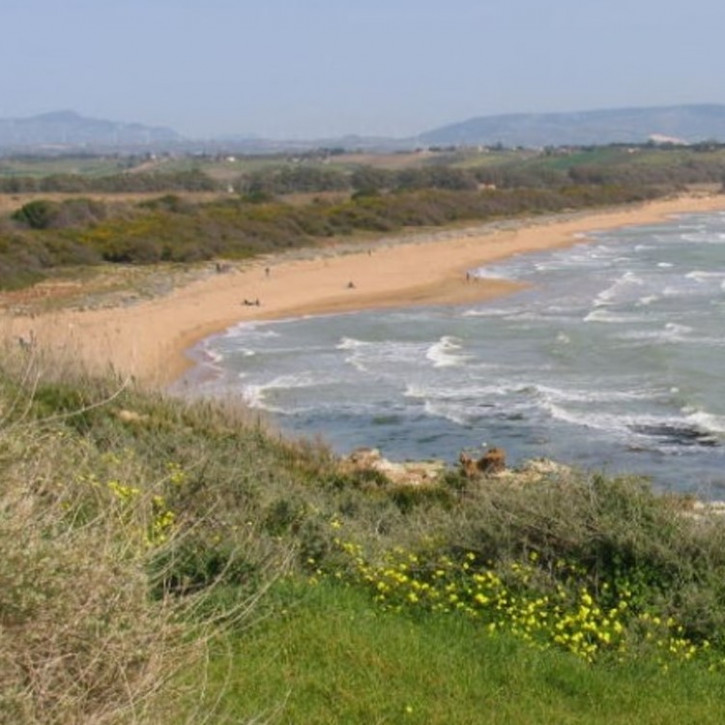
x: 332, y: 659
x: 175, y: 561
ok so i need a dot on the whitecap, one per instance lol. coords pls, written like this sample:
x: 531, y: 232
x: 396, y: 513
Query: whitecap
x: 704, y: 237
x: 671, y: 332
x: 677, y: 331
x: 454, y: 413
x: 253, y: 395
x: 708, y: 422
x: 473, y: 393
x: 701, y: 276
x: 574, y: 395
x: 647, y: 300
x: 350, y: 343
x: 603, y: 315
x: 662, y: 432
x: 445, y: 353
x: 486, y: 312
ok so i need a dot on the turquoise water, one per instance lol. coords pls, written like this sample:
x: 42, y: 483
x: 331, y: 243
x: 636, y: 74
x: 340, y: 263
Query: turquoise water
x: 612, y: 360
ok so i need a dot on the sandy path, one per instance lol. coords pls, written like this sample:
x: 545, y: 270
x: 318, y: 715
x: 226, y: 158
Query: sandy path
x: 148, y: 340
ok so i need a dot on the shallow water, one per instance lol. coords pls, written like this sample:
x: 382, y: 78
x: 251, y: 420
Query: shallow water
x: 612, y: 360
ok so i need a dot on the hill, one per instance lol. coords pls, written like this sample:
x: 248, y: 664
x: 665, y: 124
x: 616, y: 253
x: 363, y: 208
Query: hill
x: 686, y: 124
x: 67, y: 129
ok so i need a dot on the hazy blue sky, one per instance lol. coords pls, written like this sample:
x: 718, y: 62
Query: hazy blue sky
x: 313, y: 68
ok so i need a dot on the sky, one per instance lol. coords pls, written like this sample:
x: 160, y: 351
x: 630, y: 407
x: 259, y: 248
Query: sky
x: 314, y: 69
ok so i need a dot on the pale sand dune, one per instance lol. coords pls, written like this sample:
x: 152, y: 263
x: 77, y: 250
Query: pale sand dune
x: 148, y: 340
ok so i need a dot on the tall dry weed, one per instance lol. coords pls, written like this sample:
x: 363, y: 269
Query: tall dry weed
x: 86, y: 634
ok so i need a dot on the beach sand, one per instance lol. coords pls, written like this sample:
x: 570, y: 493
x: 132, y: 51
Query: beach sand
x: 149, y: 341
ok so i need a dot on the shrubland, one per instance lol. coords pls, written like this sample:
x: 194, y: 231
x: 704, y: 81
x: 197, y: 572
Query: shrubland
x: 285, y: 203
x: 43, y: 236
x: 171, y: 560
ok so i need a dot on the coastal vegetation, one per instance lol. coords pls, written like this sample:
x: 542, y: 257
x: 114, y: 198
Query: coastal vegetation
x: 175, y: 560
x: 193, y: 212
x: 45, y: 235
x: 167, y: 560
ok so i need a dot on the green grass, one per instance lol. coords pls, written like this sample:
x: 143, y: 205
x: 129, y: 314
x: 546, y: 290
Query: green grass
x: 324, y: 656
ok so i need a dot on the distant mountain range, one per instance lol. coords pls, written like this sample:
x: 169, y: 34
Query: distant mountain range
x: 68, y: 131
x: 686, y: 124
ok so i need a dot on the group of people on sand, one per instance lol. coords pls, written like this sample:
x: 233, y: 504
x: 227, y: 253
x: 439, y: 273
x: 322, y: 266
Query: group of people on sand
x: 256, y: 303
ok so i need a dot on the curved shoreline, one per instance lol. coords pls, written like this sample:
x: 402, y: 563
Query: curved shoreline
x: 149, y: 341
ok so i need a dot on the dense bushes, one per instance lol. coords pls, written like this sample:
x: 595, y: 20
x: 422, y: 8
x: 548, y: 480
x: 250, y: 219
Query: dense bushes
x: 50, y: 234
x: 193, y: 180
x: 44, y: 214
x: 44, y: 234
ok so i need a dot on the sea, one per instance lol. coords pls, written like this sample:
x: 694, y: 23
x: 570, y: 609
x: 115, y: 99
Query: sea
x: 611, y: 359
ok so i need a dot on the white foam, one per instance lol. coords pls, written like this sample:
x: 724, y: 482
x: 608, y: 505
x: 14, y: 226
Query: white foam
x: 445, y: 353
x: 602, y: 315
x: 647, y: 300
x: 454, y: 413
x: 350, y: 343
x: 624, y: 427
x: 704, y: 237
x: 253, y: 330
x: 504, y: 273
x: 212, y: 357
x: 618, y: 288
x: 355, y: 347
x: 472, y: 393
x: 557, y: 412
x: 701, y: 276
x: 573, y: 395
x: 295, y: 381
x: 254, y: 395
x: 707, y: 422
x: 677, y: 331
x: 671, y: 332
x: 486, y: 312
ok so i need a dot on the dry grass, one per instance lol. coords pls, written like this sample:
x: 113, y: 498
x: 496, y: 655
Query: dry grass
x: 81, y: 641
x: 87, y: 634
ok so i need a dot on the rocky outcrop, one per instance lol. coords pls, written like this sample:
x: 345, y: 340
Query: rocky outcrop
x: 416, y: 473
x: 493, y: 461
x: 410, y: 472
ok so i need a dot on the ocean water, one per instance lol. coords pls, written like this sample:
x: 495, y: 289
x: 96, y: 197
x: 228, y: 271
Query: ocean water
x: 613, y: 360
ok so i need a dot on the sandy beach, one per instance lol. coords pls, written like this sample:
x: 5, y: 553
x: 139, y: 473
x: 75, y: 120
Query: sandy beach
x: 149, y: 340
